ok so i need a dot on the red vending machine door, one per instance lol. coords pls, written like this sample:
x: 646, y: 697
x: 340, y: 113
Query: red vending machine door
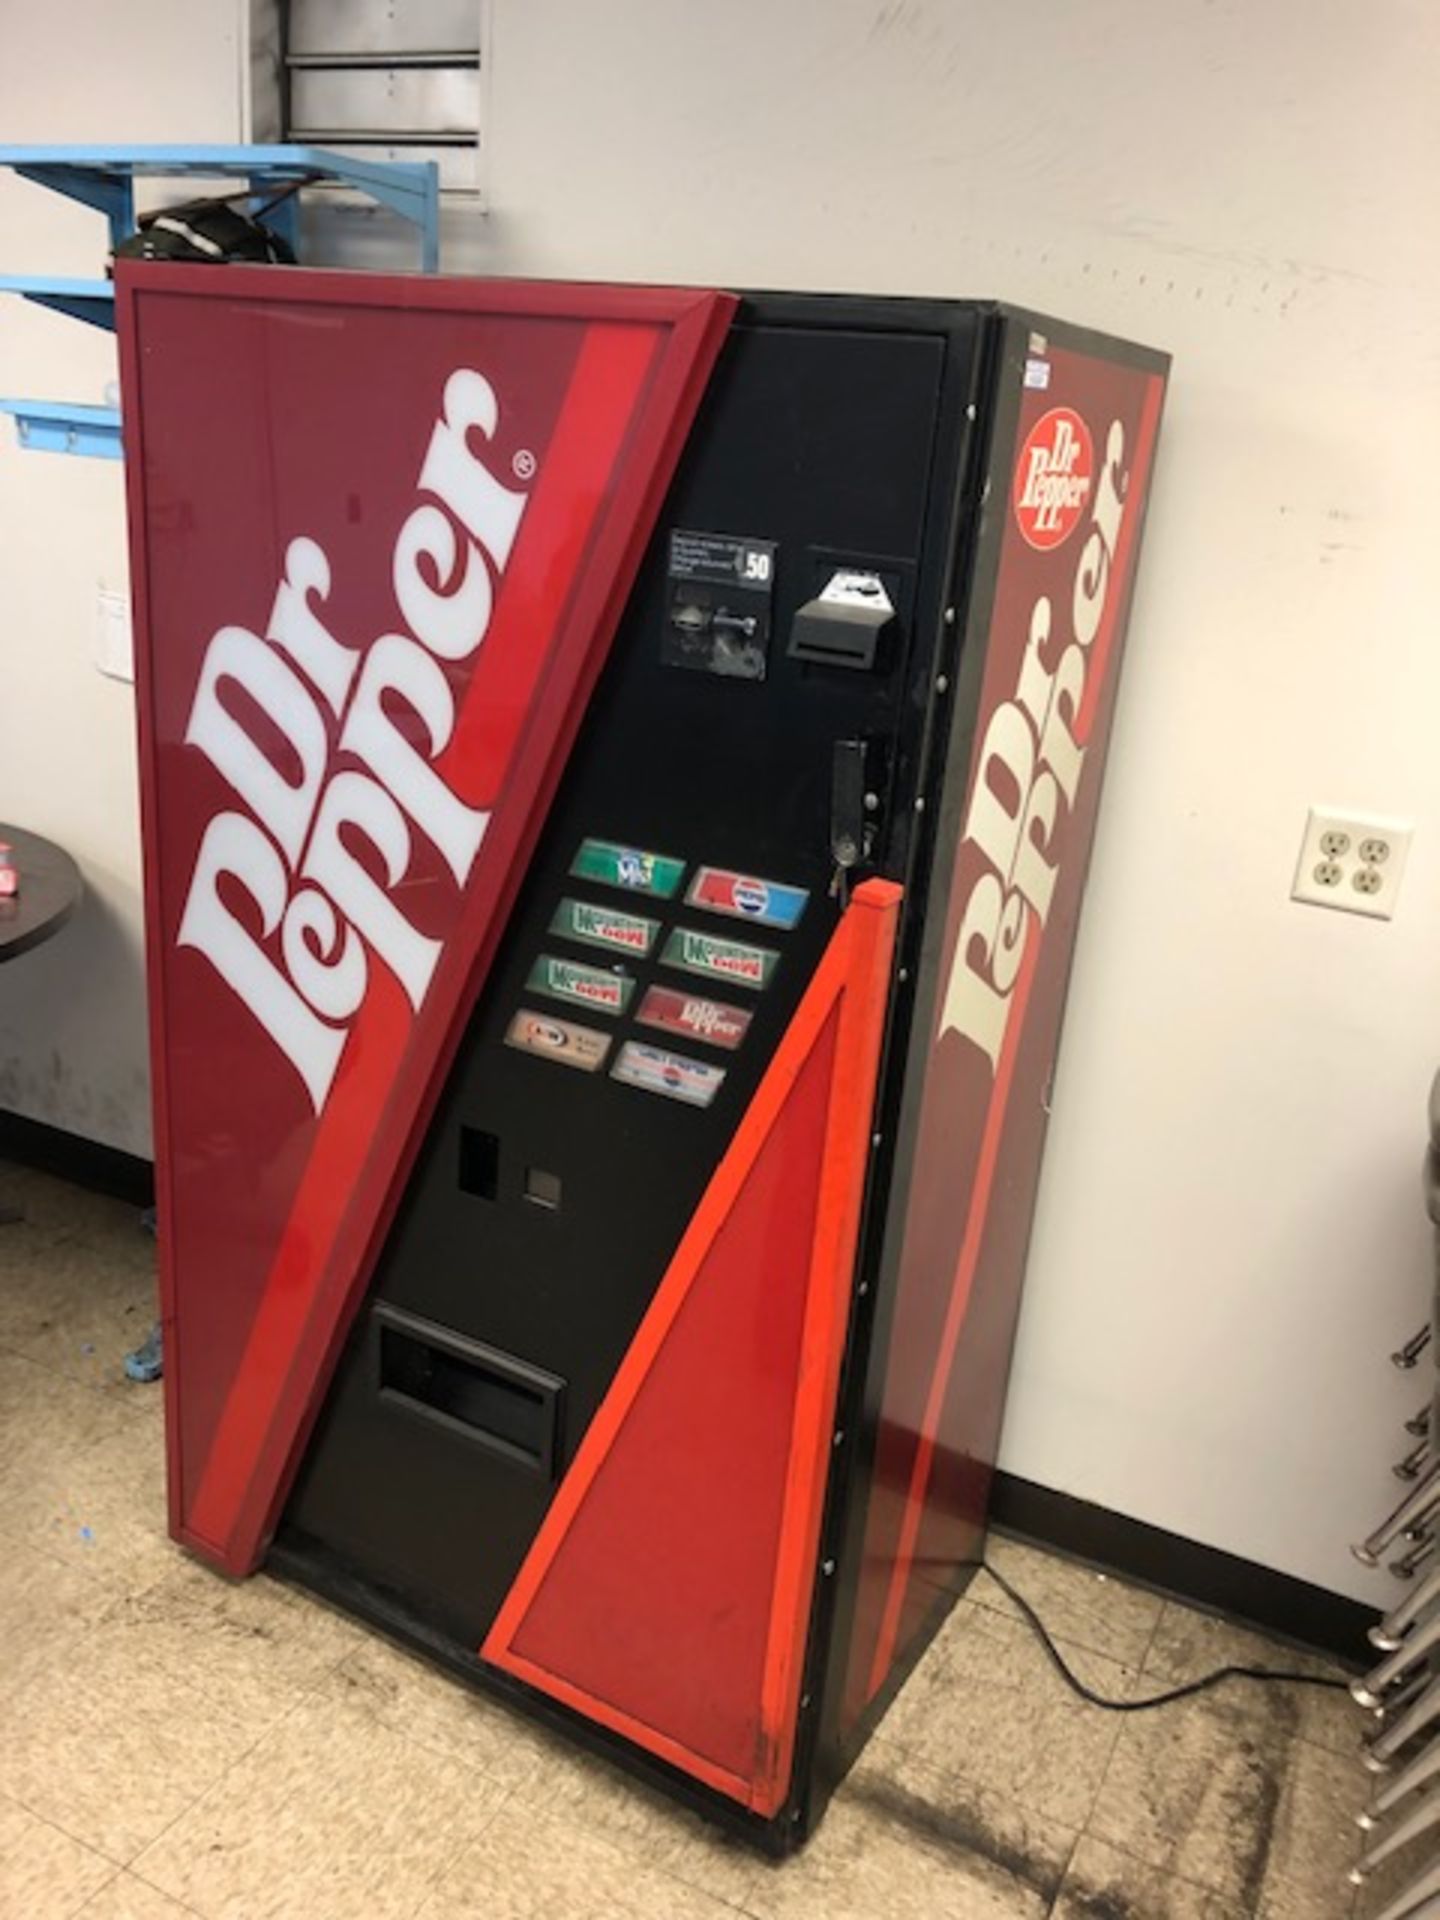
x: 381, y: 530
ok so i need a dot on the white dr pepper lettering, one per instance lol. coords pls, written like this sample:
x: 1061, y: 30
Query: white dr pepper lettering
x: 299, y: 959
x: 1025, y: 784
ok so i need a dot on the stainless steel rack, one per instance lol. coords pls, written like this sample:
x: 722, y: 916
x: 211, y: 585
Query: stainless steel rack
x: 1402, y: 1691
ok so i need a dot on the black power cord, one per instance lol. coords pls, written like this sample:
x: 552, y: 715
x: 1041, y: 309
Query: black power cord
x: 1077, y: 1685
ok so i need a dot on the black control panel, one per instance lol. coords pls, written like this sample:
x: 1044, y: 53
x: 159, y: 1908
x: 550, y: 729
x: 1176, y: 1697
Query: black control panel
x: 752, y: 745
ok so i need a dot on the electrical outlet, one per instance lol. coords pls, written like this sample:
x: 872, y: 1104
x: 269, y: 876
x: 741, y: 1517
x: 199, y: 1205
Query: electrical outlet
x: 1352, y: 862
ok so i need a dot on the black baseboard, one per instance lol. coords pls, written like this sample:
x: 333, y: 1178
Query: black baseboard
x: 124, y: 1176
x: 1257, y: 1596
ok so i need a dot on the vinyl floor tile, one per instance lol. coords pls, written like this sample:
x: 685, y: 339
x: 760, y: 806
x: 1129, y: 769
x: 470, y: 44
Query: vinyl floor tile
x: 46, y: 1607
x: 1188, y: 1643
x: 79, y: 1306
x: 1299, y: 1900
x: 1104, y: 1884
x: 999, y: 1840
x: 240, y: 1641
x: 438, y: 1711
x: 1089, y: 1609
x: 126, y: 1898
x: 594, y: 1797
x: 99, y: 1503
x: 866, y: 1862
x: 1241, y: 1806
x: 44, y: 1873
x: 332, y: 1816
x: 46, y: 1421
x: 49, y: 1206
x: 530, y: 1866
x: 986, y: 1703
x: 113, y: 1738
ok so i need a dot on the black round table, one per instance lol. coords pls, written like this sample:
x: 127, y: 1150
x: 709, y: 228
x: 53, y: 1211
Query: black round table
x: 50, y: 890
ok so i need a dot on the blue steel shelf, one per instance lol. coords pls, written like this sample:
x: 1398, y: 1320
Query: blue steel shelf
x: 59, y: 426
x: 104, y: 178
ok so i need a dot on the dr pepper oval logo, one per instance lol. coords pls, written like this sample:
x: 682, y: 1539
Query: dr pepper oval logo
x: 1053, y: 478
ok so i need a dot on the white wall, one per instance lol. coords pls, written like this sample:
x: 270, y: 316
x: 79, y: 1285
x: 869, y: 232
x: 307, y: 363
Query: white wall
x: 1229, y: 1234
x: 72, y: 1015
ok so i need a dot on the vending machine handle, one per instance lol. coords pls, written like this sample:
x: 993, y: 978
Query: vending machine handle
x: 847, y: 804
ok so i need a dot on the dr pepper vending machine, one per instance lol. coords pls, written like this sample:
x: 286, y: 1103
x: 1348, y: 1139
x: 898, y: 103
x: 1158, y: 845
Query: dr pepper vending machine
x: 619, y: 769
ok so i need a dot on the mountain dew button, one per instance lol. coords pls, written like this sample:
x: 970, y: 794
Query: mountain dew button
x: 617, y: 866
x: 604, y: 927
x: 589, y: 987
x: 741, y: 965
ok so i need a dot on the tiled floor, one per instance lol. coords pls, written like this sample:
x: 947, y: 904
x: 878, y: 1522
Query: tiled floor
x: 173, y: 1746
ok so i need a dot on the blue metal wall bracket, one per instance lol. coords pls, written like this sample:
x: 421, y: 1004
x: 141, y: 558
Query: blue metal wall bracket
x: 108, y: 191
x: 59, y: 426
x: 104, y: 178
x: 90, y: 300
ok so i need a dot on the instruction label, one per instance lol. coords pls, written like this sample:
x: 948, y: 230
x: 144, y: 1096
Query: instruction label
x: 718, y: 604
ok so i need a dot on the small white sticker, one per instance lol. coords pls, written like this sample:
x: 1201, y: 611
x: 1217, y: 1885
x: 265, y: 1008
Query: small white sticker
x: 1038, y: 343
x: 114, y: 644
x: 1037, y: 373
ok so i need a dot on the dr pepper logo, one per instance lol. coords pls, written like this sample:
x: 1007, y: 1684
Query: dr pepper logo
x: 299, y: 885
x: 1027, y: 773
x: 1053, y: 478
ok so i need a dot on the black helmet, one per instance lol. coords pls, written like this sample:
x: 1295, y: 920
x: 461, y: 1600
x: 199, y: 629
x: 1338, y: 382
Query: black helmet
x: 203, y: 230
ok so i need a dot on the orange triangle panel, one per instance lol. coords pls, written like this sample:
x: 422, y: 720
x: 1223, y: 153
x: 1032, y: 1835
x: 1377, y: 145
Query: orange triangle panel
x: 668, y: 1591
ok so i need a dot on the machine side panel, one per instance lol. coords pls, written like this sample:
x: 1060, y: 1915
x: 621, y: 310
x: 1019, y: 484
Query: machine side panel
x: 1064, y: 503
